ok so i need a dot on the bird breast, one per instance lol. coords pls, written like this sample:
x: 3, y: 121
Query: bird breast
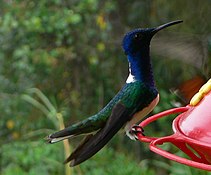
x: 140, y: 114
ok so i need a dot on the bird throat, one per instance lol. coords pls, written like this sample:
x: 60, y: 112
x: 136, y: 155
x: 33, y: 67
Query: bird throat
x: 140, y: 68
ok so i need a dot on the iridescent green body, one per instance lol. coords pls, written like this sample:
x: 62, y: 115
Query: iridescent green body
x: 135, y: 96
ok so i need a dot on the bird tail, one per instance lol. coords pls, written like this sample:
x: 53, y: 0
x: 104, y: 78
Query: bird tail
x: 59, y: 136
x: 87, y: 126
x: 93, y: 143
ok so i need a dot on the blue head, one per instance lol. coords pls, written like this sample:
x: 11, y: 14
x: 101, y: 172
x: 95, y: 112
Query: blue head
x: 136, y: 47
x: 139, y: 39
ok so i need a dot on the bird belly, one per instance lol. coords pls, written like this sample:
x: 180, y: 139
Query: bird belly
x: 139, y: 115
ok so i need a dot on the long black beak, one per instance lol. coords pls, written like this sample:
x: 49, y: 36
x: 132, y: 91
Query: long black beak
x: 156, y: 29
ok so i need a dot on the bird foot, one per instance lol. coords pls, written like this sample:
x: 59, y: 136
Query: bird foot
x: 136, y: 129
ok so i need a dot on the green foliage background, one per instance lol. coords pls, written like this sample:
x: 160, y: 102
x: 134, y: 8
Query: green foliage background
x: 71, y: 51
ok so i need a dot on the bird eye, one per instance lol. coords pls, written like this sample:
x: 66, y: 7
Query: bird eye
x: 137, y: 36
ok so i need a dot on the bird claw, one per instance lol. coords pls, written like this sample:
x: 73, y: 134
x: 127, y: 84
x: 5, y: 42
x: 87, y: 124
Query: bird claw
x: 136, y: 129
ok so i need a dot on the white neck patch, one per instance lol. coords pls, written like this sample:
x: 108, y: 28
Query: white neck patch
x: 131, y: 78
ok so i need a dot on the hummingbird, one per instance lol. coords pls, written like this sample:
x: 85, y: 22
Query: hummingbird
x: 135, y: 100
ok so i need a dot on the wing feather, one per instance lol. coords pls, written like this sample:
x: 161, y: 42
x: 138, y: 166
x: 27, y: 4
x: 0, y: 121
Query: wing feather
x: 93, y: 143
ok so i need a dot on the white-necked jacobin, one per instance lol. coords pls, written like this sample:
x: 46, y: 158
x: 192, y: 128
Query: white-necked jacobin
x: 135, y: 100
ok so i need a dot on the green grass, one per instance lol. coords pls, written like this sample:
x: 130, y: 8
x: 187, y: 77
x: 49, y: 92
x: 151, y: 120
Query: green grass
x: 37, y: 157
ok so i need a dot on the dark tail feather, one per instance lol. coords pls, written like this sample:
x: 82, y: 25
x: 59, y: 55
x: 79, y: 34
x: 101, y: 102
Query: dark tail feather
x: 60, y: 135
x: 93, y: 143
x: 87, y: 126
x: 74, y: 153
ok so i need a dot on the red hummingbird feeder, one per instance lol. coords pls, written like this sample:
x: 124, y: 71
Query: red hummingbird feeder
x: 192, y: 131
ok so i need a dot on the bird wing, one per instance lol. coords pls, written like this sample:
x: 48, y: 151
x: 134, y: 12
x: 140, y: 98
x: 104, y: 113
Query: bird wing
x: 93, y: 143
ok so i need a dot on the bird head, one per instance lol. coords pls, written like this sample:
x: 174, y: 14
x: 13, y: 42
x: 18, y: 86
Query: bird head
x: 139, y: 39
